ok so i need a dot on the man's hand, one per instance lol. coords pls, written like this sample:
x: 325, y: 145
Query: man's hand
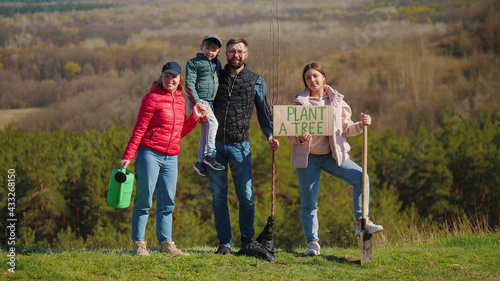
x: 273, y: 143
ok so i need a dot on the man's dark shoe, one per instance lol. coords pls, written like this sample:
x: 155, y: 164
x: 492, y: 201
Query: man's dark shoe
x: 223, y: 250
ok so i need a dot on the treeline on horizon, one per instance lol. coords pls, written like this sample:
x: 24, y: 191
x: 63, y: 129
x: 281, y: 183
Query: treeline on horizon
x: 434, y: 176
x: 49, y: 8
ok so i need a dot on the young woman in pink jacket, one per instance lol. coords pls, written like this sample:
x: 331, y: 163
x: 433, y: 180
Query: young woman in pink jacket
x: 311, y: 154
x: 156, y: 138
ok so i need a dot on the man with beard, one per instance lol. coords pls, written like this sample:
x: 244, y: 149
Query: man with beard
x: 239, y: 90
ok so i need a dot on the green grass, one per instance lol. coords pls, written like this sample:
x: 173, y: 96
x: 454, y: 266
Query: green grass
x: 471, y: 257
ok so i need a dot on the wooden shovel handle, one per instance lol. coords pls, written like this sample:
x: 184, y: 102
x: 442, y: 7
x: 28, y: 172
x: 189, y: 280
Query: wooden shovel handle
x: 273, y: 185
x: 364, y: 172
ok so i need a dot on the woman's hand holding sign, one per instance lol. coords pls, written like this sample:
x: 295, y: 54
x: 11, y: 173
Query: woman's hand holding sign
x: 305, y: 137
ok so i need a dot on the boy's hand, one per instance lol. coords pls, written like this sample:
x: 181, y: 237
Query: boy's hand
x: 200, y: 111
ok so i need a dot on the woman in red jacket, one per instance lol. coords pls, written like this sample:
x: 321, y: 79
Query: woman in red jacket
x: 156, y: 139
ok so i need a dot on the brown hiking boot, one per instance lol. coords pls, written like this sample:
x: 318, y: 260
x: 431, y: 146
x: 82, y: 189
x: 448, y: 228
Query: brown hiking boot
x: 140, y: 248
x: 171, y: 248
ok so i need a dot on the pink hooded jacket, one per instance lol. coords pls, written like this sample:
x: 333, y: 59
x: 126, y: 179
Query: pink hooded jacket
x: 343, y: 127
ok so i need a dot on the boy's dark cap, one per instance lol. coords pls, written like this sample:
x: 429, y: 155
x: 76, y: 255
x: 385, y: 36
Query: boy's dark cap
x: 172, y: 67
x: 213, y: 38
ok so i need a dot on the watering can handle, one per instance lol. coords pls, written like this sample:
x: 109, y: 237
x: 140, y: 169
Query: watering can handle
x: 120, y: 193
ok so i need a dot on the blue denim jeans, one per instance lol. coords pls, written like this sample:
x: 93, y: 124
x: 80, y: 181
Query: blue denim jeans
x: 154, y: 170
x: 236, y: 156
x: 309, y: 180
x: 207, y: 133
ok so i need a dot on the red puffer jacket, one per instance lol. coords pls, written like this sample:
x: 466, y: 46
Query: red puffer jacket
x: 161, y: 123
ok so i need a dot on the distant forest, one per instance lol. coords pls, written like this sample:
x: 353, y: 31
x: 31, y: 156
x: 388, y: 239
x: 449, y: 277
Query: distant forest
x: 399, y: 63
x: 10, y: 10
x: 426, y: 71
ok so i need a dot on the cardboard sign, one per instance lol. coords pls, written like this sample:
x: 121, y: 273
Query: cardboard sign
x: 294, y: 120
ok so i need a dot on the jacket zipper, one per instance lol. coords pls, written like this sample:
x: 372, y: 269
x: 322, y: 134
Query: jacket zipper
x: 213, y: 75
x: 173, y: 124
x: 228, y: 101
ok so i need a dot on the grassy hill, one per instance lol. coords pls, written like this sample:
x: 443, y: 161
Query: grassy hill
x: 472, y: 257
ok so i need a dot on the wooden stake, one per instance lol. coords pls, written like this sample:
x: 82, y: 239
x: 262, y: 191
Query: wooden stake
x: 273, y: 187
x: 365, y: 240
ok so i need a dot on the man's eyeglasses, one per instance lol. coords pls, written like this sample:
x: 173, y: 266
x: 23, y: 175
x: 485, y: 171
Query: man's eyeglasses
x: 240, y: 53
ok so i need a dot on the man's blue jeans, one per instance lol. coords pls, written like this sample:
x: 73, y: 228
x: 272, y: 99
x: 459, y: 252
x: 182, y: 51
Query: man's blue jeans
x: 208, y: 131
x: 154, y: 170
x: 236, y: 156
x: 309, y: 180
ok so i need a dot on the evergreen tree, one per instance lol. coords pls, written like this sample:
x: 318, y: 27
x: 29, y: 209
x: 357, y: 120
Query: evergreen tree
x: 428, y: 182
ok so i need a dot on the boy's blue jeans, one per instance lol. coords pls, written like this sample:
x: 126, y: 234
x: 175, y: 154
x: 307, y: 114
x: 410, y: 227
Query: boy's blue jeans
x: 237, y: 155
x: 309, y: 181
x: 154, y: 170
x: 207, y: 133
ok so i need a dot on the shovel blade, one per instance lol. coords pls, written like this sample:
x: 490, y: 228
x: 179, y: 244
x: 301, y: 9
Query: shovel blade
x: 366, y: 242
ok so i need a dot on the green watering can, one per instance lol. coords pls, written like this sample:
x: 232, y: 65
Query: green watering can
x: 121, y: 185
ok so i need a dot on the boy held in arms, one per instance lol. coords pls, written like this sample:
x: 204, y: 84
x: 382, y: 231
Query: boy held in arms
x: 202, y: 82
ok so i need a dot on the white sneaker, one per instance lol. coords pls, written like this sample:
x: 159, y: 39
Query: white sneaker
x: 312, y: 249
x: 370, y: 227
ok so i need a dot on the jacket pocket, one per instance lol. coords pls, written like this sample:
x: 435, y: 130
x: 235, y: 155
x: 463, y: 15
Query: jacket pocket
x: 150, y: 137
x: 300, y: 155
x: 342, y: 144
